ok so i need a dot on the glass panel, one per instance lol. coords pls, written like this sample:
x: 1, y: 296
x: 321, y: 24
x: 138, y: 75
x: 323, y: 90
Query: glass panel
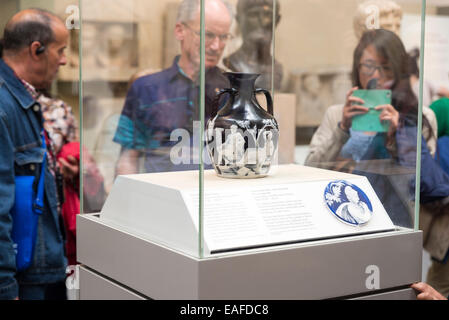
x: 306, y: 119
x: 357, y: 109
x: 141, y: 98
x: 433, y: 72
x: 343, y: 100
x: 242, y: 138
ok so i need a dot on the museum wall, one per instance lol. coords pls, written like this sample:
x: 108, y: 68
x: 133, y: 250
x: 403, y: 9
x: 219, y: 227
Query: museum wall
x: 326, y: 47
x: 315, y: 40
x: 322, y: 30
x: 313, y: 36
x: 303, y: 41
x: 8, y: 7
x: 443, y: 11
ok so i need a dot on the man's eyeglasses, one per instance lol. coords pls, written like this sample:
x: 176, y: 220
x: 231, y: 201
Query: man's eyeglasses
x: 210, y: 36
x: 368, y: 69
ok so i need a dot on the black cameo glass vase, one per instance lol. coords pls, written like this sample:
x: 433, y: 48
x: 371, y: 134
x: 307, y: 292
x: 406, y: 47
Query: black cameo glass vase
x: 242, y: 139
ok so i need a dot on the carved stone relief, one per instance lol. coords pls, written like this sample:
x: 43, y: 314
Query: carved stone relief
x: 315, y: 91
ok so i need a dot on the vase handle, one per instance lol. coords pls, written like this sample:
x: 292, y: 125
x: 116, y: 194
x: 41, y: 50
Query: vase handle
x: 231, y: 92
x: 269, y: 100
x: 217, y: 98
x: 223, y: 91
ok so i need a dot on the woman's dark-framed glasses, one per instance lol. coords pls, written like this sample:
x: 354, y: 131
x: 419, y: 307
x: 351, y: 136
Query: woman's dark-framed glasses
x: 368, y: 69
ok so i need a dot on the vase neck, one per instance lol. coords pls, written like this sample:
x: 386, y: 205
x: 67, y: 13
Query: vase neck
x: 244, y: 83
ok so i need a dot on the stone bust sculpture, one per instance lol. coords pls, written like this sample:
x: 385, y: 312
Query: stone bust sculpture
x: 255, y: 20
x: 73, y: 50
x: 312, y: 99
x: 377, y: 14
x: 115, y: 53
x: 90, y: 46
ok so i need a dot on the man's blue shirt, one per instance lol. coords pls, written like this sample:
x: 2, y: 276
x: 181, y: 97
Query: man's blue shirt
x: 157, y: 105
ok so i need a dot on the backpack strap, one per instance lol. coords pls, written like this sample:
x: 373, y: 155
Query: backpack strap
x: 38, y: 204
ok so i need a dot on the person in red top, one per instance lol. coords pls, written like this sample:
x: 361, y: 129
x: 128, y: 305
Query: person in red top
x: 62, y: 131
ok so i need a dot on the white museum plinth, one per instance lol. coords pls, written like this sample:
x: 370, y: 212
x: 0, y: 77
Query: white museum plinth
x: 268, y: 238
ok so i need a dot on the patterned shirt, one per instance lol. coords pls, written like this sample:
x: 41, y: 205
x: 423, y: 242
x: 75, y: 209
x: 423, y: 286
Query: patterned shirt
x: 31, y: 90
x: 59, y: 123
x: 60, y: 128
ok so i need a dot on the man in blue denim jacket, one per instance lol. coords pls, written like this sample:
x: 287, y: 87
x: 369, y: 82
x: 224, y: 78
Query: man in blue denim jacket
x: 34, y: 43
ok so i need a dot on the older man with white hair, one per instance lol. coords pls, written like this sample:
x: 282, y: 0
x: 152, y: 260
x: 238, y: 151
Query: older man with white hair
x: 160, y: 103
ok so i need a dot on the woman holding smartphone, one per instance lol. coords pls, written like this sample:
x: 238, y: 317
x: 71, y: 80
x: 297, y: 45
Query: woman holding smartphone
x: 381, y: 62
x: 380, y: 59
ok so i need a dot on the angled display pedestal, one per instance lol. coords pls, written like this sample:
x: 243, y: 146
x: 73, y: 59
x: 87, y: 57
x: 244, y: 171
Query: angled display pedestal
x: 145, y: 242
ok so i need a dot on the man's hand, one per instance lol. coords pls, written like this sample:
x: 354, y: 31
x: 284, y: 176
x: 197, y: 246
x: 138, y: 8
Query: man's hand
x: 128, y: 162
x: 426, y: 292
x: 70, y: 169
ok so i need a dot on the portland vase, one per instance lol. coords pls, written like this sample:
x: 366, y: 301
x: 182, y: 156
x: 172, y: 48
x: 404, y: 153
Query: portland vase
x: 242, y: 139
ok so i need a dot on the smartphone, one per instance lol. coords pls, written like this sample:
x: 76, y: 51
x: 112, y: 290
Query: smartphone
x: 370, y: 121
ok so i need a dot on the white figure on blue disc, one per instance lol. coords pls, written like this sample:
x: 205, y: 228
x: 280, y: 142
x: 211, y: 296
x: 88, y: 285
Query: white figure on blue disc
x: 354, y: 211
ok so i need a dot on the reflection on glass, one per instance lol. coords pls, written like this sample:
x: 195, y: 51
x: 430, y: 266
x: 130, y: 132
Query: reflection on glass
x: 255, y: 21
x: 335, y: 140
x: 139, y: 117
x: 142, y: 113
x: 159, y: 121
x: 378, y: 14
x: 321, y: 73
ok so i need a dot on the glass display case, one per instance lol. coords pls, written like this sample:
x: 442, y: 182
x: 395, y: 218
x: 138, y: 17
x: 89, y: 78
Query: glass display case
x: 254, y: 149
x: 278, y: 138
